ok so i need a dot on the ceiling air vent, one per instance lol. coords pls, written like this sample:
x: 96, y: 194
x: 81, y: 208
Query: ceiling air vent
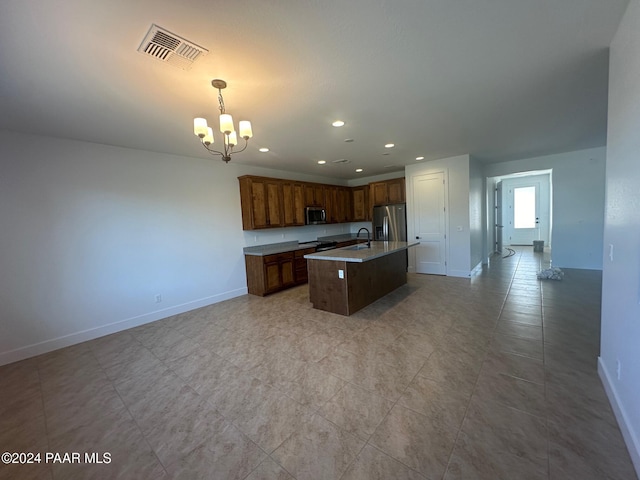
x: 170, y: 48
x: 340, y: 160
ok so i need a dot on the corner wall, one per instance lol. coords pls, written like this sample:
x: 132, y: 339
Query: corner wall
x: 620, y: 338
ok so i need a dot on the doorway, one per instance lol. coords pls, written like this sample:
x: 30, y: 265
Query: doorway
x: 522, y: 209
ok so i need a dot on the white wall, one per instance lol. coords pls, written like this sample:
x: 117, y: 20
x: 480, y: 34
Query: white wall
x: 578, y: 203
x: 476, y: 208
x: 91, y: 233
x: 620, y: 339
x: 458, y: 236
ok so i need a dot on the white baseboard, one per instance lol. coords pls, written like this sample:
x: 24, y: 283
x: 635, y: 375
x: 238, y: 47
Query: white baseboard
x: 459, y: 273
x: 477, y: 269
x: 46, y: 346
x: 629, y: 435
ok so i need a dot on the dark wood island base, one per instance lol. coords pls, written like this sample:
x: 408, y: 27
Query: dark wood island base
x: 363, y: 282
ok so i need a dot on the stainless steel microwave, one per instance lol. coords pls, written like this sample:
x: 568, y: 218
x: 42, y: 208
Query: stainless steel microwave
x: 315, y: 215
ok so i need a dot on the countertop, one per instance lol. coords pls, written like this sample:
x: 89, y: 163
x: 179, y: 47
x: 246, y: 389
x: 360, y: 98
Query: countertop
x: 282, y: 247
x: 347, y: 254
x: 273, y: 248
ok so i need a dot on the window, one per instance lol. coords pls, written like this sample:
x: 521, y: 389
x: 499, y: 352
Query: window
x: 524, y: 207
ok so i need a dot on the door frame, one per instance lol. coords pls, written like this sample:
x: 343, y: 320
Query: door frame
x: 411, y: 235
x: 491, y: 220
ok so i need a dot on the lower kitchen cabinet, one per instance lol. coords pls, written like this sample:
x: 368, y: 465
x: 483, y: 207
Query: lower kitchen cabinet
x: 301, y: 265
x: 269, y: 273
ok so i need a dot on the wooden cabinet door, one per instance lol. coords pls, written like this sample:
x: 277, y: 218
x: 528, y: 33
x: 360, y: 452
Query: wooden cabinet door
x: 330, y: 203
x: 298, y: 204
x: 318, y: 194
x: 379, y: 193
x: 258, y: 205
x: 287, y: 272
x: 272, y: 276
x: 309, y: 191
x: 360, y: 203
x: 292, y: 204
x: 396, y: 190
x: 313, y: 195
x: 261, y: 202
x: 274, y: 202
x: 344, y: 205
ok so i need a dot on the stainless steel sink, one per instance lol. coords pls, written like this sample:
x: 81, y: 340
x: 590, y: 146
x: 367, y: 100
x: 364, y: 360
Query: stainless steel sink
x: 357, y: 247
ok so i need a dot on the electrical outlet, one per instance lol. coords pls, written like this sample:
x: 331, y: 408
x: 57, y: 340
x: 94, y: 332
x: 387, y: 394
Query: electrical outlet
x: 611, y: 252
x: 158, y: 298
x: 340, y: 273
x: 618, y: 369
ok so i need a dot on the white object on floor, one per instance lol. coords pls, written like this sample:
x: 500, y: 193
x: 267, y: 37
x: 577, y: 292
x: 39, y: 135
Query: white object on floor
x: 553, y: 273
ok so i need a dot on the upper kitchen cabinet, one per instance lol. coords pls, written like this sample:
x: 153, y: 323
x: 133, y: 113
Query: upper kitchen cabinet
x: 388, y: 192
x: 293, y: 203
x: 344, y: 204
x: 314, y: 195
x: 337, y: 202
x: 360, y: 204
x: 261, y: 202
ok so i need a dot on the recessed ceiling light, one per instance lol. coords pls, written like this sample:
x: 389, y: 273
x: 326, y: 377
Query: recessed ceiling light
x: 358, y: 170
x: 419, y: 158
x: 389, y: 145
x: 263, y: 149
x: 338, y: 123
x: 321, y: 162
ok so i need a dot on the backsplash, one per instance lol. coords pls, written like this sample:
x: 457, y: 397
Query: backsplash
x: 300, y: 234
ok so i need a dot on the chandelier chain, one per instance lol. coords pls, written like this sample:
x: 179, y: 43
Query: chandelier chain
x: 221, y: 102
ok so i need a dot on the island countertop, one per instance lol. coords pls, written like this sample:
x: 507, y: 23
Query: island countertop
x: 356, y: 253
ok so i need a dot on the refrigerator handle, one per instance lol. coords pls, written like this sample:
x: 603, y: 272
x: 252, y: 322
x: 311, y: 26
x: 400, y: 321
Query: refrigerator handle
x: 385, y: 227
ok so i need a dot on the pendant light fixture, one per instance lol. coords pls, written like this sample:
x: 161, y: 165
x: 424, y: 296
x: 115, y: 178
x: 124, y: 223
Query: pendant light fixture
x: 230, y: 137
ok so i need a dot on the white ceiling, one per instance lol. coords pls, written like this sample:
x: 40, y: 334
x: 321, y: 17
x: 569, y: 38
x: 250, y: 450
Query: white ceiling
x: 499, y: 79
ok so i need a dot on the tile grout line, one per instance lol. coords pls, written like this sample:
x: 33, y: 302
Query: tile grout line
x: 44, y: 414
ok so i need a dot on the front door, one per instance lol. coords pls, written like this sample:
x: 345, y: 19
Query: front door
x: 429, y: 223
x: 524, y: 213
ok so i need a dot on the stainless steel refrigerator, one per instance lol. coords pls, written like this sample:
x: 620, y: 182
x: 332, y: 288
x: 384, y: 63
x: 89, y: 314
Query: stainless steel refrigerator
x: 390, y: 223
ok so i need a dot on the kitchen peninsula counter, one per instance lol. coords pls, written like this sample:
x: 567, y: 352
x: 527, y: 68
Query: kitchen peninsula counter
x: 347, y: 279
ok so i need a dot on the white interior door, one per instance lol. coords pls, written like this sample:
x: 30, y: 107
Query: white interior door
x: 524, y: 213
x: 429, y: 223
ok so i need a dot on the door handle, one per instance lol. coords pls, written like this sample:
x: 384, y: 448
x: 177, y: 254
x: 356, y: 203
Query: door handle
x: 417, y: 238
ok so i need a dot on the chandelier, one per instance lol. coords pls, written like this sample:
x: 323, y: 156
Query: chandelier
x: 230, y: 140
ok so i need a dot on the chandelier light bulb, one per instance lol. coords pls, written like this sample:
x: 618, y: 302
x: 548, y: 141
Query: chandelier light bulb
x: 226, y: 123
x: 245, y: 129
x: 208, y: 138
x: 232, y: 139
x: 200, y: 127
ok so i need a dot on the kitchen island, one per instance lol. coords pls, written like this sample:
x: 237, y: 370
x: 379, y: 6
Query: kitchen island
x: 347, y: 279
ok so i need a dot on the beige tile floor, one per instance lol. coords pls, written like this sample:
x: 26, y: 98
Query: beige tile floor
x: 489, y: 378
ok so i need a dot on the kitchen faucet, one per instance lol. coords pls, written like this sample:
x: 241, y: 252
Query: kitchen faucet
x: 368, y: 236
